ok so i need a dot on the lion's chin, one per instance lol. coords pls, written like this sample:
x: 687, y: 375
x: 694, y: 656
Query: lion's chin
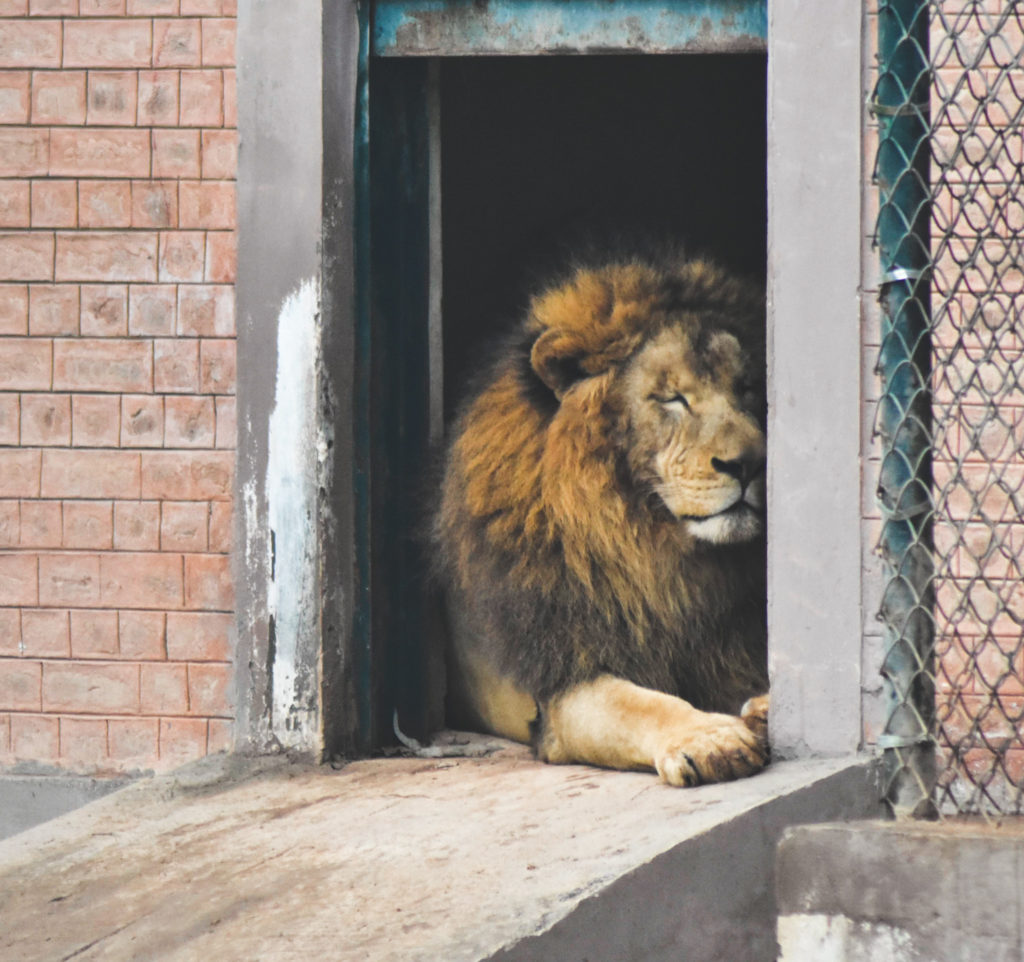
x: 738, y: 523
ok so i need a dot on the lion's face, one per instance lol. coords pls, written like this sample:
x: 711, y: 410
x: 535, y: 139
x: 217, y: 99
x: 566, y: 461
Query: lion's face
x: 692, y: 417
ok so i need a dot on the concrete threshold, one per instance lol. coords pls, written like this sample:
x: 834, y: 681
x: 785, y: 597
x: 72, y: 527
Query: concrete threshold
x: 416, y: 859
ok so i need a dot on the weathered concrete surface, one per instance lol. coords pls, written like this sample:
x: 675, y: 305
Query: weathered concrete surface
x: 897, y: 892
x: 27, y: 800
x: 405, y: 859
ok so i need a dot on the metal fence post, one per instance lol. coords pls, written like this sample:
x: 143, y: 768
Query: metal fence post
x: 901, y: 105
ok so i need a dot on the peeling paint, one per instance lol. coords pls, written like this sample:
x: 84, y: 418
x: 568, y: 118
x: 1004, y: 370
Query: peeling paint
x: 291, y: 486
x: 498, y: 27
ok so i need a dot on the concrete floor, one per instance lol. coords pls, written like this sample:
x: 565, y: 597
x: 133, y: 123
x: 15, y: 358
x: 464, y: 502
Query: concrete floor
x: 400, y: 859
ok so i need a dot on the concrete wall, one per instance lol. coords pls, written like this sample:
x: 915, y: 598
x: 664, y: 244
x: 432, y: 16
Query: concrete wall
x: 890, y: 892
x: 814, y: 231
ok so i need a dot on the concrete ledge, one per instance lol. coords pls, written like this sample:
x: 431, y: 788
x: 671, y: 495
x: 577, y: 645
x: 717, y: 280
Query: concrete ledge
x: 904, y: 892
x: 403, y: 859
x: 28, y: 800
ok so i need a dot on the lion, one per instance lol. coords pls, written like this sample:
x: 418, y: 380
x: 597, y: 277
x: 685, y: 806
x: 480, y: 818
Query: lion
x: 600, y: 531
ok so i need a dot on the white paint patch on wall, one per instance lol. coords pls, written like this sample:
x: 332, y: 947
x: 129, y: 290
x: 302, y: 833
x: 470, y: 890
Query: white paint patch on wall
x: 291, y: 514
x: 835, y: 938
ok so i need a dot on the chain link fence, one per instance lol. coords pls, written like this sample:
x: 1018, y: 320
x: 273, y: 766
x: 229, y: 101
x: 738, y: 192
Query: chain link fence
x: 949, y: 104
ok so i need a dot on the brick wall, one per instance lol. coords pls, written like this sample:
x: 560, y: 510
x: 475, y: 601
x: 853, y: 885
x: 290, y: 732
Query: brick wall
x: 117, y: 374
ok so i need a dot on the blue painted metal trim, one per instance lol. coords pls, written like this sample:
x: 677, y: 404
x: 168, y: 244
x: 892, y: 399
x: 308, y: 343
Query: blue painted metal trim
x: 445, y: 28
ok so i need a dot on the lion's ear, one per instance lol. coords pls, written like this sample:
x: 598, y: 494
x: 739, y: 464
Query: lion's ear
x: 557, y: 358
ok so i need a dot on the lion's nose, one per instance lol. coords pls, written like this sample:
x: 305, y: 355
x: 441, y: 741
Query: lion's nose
x: 743, y: 469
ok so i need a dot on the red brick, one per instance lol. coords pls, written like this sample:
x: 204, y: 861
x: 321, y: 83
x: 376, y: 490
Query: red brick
x: 217, y: 366
x: 141, y: 580
x: 19, y: 473
x: 91, y: 688
x: 41, y: 524
x: 14, y: 206
x: 189, y: 422
x: 175, y: 365
x: 208, y: 687
x: 164, y: 689
x: 183, y: 526
x: 101, y: 8
x: 112, y: 97
x: 104, y: 203
x: 19, y: 579
x: 58, y: 98
x: 152, y: 311
x: 14, y: 97
x: 142, y: 634
x: 13, y: 8
x: 10, y: 536
x: 220, y: 526
x: 137, y: 525
x: 53, y: 309
x: 54, y: 203
x: 30, y: 44
x: 95, y: 420
x: 229, y: 8
x: 158, y: 98
x: 201, y: 98
x: 45, y: 419
x: 6, y: 757
x: 107, y: 43
x: 99, y: 152
x: 221, y: 738
x: 106, y: 257
x: 53, y: 8
x: 69, y: 580
x: 94, y: 634
x: 133, y: 740
x: 104, y: 310
x: 19, y: 685
x: 208, y: 582
x: 26, y: 257
x: 207, y: 204
x: 175, y: 153
x: 102, y: 364
x: 10, y: 631
x: 220, y: 154
x: 26, y: 364
x: 152, y: 8
x: 34, y: 738
x: 83, y: 744
x: 200, y: 8
x: 181, y: 740
x: 227, y: 425
x: 10, y: 419
x: 24, y: 151
x: 219, y: 43
x: 199, y: 636
x: 142, y: 421
x: 88, y: 524
x: 177, y: 43
x: 187, y: 475
x: 155, y: 204
x: 221, y: 257
x: 206, y: 310
x: 90, y: 474
x: 230, y: 99
x: 13, y: 309
x: 182, y: 255
x: 44, y: 633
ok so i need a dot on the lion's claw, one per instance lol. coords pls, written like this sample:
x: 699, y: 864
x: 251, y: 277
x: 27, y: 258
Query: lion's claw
x: 721, y: 748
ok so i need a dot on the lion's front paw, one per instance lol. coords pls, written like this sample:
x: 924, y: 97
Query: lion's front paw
x: 755, y: 714
x: 717, y: 748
